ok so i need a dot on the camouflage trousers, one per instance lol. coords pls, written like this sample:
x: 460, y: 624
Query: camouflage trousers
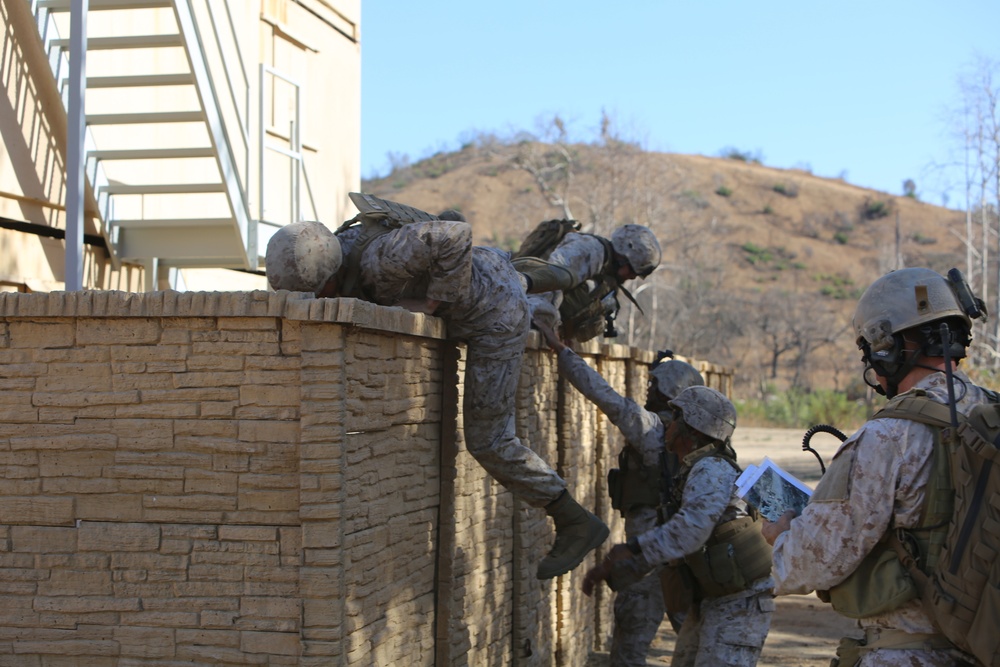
x: 489, y: 416
x: 638, y: 608
x: 728, y: 630
x: 912, y: 658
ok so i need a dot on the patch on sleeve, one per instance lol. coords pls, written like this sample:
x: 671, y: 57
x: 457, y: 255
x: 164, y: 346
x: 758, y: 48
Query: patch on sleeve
x: 835, y: 486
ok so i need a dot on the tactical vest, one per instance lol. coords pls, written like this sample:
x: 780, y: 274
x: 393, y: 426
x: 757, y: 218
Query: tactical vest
x: 586, y: 308
x: 633, y: 483
x: 735, y: 555
x: 376, y: 218
x: 881, y: 582
x: 949, y: 559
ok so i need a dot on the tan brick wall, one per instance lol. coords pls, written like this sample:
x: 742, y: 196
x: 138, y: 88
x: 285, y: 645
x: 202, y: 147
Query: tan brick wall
x: 271, y: 479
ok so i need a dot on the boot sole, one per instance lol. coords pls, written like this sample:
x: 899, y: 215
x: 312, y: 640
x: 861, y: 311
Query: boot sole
x: 597, y: 541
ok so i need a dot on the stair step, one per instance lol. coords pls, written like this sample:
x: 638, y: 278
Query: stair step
x: 124, y: 42
x: 98, y: 5
x: 157, y: 117
x: 173, y: 222
x: 163, y: 189
x: 152, y: 153
x: 139, y: 80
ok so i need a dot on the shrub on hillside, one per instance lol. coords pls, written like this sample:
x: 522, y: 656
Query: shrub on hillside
x: 733, y: 153
x: 797, y: 408
x: 786, y: 189
x: 873, y: 209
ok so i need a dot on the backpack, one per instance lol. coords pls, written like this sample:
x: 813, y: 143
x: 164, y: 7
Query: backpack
x: 544, y: 238
x: 957, y: 573
x: 376, y: 217
x: 589, y: 309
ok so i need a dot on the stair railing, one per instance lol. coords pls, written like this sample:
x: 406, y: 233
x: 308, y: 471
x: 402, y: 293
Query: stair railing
x: 205, y: 85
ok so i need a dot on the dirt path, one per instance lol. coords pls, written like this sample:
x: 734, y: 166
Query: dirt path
x: 805, y: 632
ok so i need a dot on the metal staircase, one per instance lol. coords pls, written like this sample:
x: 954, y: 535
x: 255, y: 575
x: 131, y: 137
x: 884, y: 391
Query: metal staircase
x: 167, y: 155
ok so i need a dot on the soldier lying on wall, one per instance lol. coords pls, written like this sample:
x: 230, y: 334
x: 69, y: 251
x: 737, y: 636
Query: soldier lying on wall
x: 395, y: 255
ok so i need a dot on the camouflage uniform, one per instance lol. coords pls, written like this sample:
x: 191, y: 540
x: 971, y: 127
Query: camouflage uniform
x: 483, y: 303
x: 726, y: 630
x: 639, y: 608
x: 876, y: 480
x: 584, y: 256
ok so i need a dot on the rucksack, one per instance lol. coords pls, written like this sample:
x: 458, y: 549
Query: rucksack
x: 544, y: 238
x: 958, y: 578
x: 376, y: 217
x: 589, y: 309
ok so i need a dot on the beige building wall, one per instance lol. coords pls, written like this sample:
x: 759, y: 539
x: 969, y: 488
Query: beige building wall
x: 263, y: 478
x: 315, y: 43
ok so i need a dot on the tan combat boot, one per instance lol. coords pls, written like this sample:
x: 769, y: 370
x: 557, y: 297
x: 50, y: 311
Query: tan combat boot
x: 578, y: 532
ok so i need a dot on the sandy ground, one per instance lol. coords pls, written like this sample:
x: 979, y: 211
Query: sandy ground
x: 805, y: 632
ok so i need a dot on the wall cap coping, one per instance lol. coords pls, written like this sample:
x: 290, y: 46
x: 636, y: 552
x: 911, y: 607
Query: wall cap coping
x: 300, y: 306
x: 296, y: 306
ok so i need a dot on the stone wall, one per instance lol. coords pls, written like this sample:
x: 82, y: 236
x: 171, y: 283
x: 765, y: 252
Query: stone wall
x: 271, y: 479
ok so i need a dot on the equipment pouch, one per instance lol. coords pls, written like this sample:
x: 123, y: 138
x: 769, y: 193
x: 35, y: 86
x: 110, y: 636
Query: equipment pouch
x: 678, y: 586
x: 879, y: 584
x: 716, y: 570
x: 724, y: 567
x: 616, y: 489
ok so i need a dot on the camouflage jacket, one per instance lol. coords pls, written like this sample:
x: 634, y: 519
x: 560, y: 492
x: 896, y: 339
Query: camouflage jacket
x: 709, y: 497
x: 875, y: 482
x: 643, y: 430
x: 582, y: 254
x: 435, y: 259
x: 422, y: 259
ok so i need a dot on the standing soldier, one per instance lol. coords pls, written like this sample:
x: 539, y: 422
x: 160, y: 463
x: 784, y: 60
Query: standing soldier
x: 581, y: 277
x: 395, y: 255
x: 636, y: 485
x: 883, y: 483
x: 710, y: 534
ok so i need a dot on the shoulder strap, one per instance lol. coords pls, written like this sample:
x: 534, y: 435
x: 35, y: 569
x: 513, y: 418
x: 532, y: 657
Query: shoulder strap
x: 609, y: 255
x: 371, y: 229
x: 714, y: 452
x: 917, y: 408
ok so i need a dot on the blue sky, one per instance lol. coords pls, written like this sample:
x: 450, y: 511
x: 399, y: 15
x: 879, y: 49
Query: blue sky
x: 859, y: 90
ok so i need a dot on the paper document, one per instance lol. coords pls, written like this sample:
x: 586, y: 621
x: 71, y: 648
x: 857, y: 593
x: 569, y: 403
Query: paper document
x: 772, y: 491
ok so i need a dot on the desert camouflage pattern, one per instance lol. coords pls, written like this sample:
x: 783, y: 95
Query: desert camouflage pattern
x: 876, y: 480
x: 639, y: 608
x: 642, y: 429
x: 728, y: 630
x: 583, y: 256
x: 707, y: 411
x: 483, y: 304
x: 914, y: 658
x: 708, y: 498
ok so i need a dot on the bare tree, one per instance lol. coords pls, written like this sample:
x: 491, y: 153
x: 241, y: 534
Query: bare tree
x: 793, y: 326
x: 551, y: 164
x: 980, y: 119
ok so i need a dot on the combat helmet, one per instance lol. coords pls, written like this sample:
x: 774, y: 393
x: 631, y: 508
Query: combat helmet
x: 302, y: 257
x: 707, y: 411
x: 913, y: 299
x: 639, y: 246
x: 671, y: 376
x: 905, y: 299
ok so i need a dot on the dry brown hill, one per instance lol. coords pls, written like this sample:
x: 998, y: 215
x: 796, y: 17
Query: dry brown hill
x: 762, y: 266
